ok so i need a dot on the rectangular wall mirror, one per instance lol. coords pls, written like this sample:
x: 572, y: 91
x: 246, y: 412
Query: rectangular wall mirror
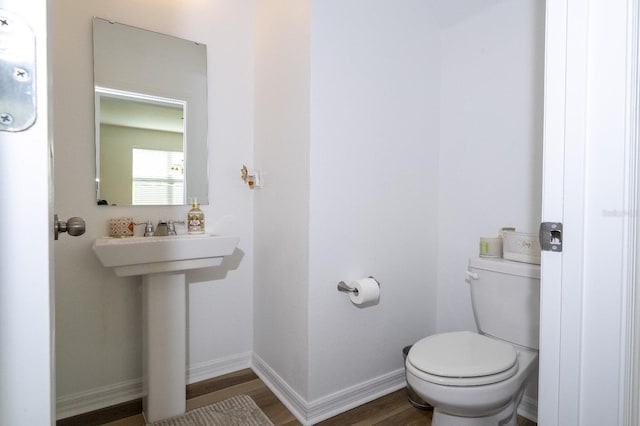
x: 151, y: 117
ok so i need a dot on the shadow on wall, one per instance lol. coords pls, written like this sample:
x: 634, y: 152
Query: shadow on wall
x: 229, y: 263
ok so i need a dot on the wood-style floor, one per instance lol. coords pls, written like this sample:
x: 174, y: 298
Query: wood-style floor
x: 392, y: 409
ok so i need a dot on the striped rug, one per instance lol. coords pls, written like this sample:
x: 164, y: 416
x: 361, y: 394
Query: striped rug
x: 239, y: 410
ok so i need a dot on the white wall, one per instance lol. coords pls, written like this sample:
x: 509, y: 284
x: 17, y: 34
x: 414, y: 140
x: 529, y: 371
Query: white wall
x: 98, y: 330
x: 491, y: 139
x: 281, y: 213
x: 346, y: 134
x: 374, y: 130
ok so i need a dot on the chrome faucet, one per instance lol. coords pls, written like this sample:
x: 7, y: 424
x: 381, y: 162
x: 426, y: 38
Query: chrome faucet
x: 161, y: 229
x: 167, y: 227
x: 171, y: 228
x: 148, y: 228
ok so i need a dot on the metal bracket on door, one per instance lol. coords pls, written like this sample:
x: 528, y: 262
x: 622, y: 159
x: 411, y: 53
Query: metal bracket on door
x: 551, y: 236
x: 17, y: 73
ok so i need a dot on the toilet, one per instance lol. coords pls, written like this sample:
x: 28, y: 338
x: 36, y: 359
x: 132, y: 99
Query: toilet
x: 478, y: 379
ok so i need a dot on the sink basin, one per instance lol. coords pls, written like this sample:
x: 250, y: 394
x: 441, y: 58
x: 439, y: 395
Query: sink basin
x: 147, y: 255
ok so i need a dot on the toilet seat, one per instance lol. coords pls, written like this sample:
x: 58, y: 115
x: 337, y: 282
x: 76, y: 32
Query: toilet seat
x: 463, y: 359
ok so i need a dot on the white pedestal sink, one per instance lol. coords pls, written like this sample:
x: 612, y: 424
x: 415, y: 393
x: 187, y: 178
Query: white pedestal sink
x: 162, y: 262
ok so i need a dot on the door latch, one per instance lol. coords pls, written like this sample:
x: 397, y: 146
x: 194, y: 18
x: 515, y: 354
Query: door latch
x: 551, y: 236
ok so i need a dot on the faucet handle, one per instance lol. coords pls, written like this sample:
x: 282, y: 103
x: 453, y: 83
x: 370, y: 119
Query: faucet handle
x: 171, y: 228
x: 148, y: 228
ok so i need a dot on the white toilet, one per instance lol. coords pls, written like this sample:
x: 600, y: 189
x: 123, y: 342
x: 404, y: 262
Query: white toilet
x: 478, y: 379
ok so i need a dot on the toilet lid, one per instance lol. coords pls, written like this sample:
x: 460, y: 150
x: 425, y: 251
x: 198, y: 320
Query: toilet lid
x: 462, y: 355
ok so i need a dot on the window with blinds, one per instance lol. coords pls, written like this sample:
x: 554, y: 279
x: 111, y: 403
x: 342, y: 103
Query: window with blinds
x: 158, y: 177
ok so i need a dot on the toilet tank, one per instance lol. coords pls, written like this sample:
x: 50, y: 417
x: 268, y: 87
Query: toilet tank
x: 506, y: 299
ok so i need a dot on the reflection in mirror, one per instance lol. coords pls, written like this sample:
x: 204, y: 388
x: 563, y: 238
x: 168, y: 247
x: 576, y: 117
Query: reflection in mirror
x: 141, y: 155
x: 151, y: 117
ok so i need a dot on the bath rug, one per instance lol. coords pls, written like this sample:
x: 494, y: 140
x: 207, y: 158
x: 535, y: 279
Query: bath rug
x: 239, y: 410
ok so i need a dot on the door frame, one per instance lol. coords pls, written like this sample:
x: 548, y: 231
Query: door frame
x: 562, y: 189
x: 589, y: 299
x: 27, y: 378
x: 632, y: 349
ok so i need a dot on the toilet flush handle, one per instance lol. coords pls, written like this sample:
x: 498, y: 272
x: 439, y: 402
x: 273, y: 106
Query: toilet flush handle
x: 471, y: 276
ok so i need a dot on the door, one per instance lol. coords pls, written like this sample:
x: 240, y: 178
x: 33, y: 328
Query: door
x: 26, y: 287
x: 589, y: 184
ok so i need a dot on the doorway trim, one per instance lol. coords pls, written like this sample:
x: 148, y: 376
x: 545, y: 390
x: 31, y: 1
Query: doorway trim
x: 632, y: 350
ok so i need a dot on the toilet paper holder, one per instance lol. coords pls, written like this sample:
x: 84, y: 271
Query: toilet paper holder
x: 344, y: 287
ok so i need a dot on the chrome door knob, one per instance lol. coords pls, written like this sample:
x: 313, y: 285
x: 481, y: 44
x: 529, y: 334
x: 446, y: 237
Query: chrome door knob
x: 74, y: 226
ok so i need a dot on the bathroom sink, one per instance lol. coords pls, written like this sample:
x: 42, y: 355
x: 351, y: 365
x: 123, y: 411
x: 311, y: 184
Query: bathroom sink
x: 147, y: 255
x: 162, y: 262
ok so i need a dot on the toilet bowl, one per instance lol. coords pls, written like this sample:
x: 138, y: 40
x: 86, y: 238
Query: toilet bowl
x: 483, y: 393
x: 478, y: 379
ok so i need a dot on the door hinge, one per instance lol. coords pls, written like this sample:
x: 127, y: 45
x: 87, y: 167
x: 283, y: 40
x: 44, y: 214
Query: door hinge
x: 551, y: 236
x: 17, y: 73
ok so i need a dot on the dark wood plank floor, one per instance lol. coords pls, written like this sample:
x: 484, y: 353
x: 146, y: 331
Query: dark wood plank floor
x: 392, y: 409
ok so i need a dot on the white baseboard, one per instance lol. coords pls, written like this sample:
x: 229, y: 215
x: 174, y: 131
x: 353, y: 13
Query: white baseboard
x: 285, y: 393
x: 117, y: 393
x: 218, y: 367
x: 528, y: 408
x: 346, y: 399
x: 97, y: 398
x: 309, y: 413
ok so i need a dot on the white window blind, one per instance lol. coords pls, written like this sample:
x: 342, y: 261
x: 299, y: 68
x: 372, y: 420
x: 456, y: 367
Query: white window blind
x: 158, y: 177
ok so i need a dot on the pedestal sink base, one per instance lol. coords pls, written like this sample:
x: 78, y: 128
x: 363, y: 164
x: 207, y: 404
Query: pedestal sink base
x: 162, y: 262
x: 164, y: 345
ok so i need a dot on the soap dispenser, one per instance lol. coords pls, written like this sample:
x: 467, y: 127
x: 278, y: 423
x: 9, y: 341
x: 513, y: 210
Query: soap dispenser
x: 195, y: 219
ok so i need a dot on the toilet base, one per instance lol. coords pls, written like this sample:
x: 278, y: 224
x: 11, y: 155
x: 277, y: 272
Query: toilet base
x: 507, y: 416
x: 500, y: 419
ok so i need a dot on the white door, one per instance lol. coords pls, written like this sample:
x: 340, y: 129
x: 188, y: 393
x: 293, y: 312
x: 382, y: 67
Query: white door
x: 26, y: 287
x: 590, y: 183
